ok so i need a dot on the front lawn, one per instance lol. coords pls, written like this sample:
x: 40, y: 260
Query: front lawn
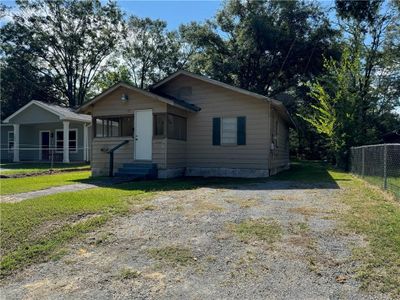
x: 376, y: 216
x: 372, y: 214
x: 37, y: 167
x: 35, y: 230
x: 33, y: 183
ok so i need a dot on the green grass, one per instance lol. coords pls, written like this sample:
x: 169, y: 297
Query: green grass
x: 33, y: 230
x: 128, y: 273
x: 375, y: 216
x: 37, y: 229
x: 259, y: 229
x: 372, y: 214
x: 306, y: 171
x: 33, y: 183
x: 28, y: 168
x: 173, y: 255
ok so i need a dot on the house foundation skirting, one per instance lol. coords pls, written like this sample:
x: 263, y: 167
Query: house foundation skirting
x: 171, y: 173
x: 274, y: 171
x: 227, y: 172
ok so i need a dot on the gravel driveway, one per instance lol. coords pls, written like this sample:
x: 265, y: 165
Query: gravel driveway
x: 191, y: 245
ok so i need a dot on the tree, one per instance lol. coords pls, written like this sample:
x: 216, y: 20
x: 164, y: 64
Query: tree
x: 371, y: 29
x: 19, y: 84
x: 116, y: 73
x: 150, y: 51
x: 334, y: 114
x: 69, y: 39
x: 266, y: 47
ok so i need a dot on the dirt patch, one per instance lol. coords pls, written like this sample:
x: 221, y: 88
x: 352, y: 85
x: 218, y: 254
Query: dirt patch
x: 46, y: 172
x: 207, y: 243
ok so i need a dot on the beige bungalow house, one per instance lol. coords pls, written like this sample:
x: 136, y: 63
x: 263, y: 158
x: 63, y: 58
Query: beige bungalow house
x: 41, y: 131
x: 189, y: 125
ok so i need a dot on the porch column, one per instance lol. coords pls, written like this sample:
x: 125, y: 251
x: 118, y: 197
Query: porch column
x: 16, y: 143
x: 85, y: 142
x: 66, y: 142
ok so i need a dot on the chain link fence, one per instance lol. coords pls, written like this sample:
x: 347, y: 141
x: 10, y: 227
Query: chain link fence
x: 379, y: 165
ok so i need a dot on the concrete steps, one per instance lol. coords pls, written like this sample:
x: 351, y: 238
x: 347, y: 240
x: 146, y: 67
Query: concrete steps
x: 137, y: 170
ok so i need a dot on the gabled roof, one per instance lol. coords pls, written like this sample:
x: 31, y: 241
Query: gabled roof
x: 64, y: 113
x: 278, y: 104
x: 166, y: 99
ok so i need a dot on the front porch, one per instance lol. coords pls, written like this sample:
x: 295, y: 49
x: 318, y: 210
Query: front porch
x: 47, y: 132
x: 49, y: 142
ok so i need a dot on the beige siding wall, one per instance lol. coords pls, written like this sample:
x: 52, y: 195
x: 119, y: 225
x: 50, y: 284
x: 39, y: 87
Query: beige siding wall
x: 159, y: 153
x: 111, y: 105
x: 176, y: 154
x: 280, y: 154
x: 219, y: 102
x: 100, y: 159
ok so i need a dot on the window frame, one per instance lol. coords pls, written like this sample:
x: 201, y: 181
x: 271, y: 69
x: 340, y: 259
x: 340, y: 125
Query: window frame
x: 185, y: 130
x: 62, y: 149
x: 107, y: 118
x: 10, y: 149
x: 165, y: 129
x: 222, y: 132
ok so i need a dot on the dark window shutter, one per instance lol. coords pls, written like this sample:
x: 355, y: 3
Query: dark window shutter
x: 216, y: 131
x: 241, y: 130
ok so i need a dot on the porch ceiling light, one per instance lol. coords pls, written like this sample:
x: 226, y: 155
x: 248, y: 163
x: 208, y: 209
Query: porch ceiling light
x: 124, y: 98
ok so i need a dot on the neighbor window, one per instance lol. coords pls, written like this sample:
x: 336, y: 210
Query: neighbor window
x: 114, y: 126
x: 10, y: 141
x: 229, y: 131
x: 176, y: 127
x: 73, y: 140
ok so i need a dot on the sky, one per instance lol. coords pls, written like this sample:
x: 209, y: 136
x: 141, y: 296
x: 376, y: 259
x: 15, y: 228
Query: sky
x: 174, y: 12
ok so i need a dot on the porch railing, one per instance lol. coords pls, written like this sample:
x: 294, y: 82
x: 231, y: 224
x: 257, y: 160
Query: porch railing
x: 111, y: 152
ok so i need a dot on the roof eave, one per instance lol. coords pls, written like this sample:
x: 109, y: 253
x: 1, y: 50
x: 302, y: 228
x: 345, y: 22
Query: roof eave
x: 147, y: 93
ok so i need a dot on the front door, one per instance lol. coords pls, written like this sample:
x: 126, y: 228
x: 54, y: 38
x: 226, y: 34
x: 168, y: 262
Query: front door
x: 44, y: 145
x: 143, y: 134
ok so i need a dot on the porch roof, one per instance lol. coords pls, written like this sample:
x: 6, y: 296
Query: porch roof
x: 60, y: 113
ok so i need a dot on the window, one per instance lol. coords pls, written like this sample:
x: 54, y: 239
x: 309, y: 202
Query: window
x: 229, y: 131
x: 73, y: 140
x: 176, y: 127
x: 159, y: 125
x: 10, y: 141
x: 114, y: 126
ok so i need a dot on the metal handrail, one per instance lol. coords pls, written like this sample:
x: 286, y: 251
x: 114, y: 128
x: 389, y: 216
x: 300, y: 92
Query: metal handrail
x: 111, y: 152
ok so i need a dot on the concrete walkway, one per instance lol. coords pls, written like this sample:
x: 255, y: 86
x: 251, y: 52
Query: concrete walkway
x: 13, y: 198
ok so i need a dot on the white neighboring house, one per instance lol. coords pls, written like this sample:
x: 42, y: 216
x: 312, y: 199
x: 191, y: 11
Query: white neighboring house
x: 40, y: 131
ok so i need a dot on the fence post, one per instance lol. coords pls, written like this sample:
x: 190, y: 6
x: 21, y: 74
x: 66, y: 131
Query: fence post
x: 363, y: 161
x: 384, y: 167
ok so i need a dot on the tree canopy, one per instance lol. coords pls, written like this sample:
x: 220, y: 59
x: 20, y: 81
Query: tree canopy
x: 337, y: 75
x: 69, y: 41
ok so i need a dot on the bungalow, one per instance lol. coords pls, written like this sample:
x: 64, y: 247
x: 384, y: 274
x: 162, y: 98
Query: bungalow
x: 190, y: 125
x: 43, y: 132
